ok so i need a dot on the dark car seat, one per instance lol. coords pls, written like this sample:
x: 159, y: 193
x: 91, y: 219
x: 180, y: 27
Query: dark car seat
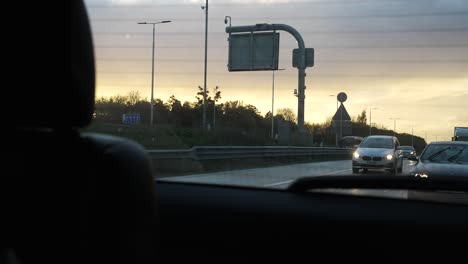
x: 85, y: 197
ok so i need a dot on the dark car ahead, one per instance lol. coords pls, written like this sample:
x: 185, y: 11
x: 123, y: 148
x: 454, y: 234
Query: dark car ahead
x: 350, y: 142
x: 407, y: 151
x: 441, y: 159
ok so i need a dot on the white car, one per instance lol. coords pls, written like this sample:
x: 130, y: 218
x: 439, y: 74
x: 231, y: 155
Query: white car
x: 378, y: 152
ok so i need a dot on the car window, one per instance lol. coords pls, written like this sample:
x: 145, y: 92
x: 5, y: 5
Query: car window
x: 262, y: 93
x: 377, y: 143
x: 407, y: 148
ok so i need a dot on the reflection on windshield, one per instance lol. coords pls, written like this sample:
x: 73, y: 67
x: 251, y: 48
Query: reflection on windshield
x: 446, y: 153
x: 377, y: 143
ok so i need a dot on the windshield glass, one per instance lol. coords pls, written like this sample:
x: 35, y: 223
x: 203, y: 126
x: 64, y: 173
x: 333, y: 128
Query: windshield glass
x: 407, y: 148
x: 446, y: 153
x: 377, y: 143
x: 262, y: 93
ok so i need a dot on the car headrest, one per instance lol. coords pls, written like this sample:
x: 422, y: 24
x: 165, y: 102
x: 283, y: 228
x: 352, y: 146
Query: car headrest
x: 72, y: 104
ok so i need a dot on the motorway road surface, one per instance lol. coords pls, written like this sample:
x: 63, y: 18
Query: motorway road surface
x: 278, y: 177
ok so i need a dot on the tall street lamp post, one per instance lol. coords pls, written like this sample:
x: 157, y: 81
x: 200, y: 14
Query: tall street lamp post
x: 370, y: 119
x: 394, y: 124
x: 152, y: 66
x: 336, y: 134
x: 205, y: 7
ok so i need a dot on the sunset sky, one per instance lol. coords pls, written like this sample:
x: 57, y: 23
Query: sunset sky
x: 409, y: 58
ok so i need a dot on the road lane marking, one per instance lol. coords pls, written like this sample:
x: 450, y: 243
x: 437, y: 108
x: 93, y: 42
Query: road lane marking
x: 333, y: 172
x: 278, y: 183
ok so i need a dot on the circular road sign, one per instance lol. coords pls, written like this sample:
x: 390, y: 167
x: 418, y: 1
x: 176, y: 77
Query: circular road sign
x: 342, y: 97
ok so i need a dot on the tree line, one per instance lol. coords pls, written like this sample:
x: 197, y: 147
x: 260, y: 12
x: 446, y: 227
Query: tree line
x: 230, y: 122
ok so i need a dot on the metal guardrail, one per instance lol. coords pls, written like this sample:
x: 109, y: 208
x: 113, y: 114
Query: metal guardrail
x: 235, y: 152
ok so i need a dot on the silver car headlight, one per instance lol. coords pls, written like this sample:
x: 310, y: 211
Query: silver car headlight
x: 356, y: 155
x: 389, y: 157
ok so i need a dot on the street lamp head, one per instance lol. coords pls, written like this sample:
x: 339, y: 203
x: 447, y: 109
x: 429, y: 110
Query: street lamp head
x: 154, y: 23
x: 226, y: 20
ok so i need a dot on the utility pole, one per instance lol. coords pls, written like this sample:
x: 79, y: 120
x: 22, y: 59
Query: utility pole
x: 394, y: 124
x: 425, y: 135
x: 206, y: 58
x: 341, y: 122
x: 273, y: 106
x: 336, y: 100
x: 370, y: 119
x: 214, y: 106
x: 336, y: 134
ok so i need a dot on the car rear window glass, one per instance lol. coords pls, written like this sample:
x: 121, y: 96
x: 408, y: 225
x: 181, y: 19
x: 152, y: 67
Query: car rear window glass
x: 377, y: 143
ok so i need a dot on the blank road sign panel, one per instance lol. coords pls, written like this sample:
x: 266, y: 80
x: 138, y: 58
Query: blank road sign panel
x: 253, y: 51
x: 264, y: 52
x: 239, y: 52
x: 309, y: 57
